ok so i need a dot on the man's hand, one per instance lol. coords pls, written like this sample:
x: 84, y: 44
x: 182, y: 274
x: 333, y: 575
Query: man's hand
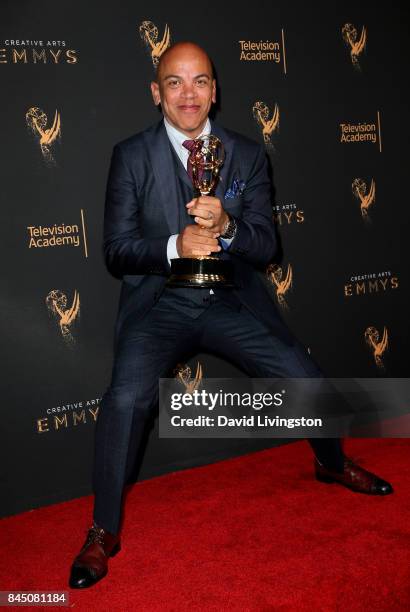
x: 196, y: 240
x: 208, y: 213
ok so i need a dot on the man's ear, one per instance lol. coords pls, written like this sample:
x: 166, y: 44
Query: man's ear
x: 155, y: 93
x: 213, y: 91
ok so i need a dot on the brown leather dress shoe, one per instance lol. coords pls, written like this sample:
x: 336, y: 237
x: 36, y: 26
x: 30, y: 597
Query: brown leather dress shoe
x: 354, y: 477
x: 91, y: 563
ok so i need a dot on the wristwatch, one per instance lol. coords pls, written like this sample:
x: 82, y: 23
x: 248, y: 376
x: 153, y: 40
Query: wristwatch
x: 230, y: 228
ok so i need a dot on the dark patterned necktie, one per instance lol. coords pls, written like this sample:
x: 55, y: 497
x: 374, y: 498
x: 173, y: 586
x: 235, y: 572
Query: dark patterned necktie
x: 190, y: 145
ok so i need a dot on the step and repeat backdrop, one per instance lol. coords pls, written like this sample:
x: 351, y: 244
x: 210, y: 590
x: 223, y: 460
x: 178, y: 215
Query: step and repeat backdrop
x: 321, y: 85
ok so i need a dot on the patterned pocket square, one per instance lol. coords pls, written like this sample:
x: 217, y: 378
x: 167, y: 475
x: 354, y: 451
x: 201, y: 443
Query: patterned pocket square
x: 235, y: 189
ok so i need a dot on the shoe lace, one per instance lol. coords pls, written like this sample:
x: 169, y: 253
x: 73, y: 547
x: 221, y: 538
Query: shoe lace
x: 95, y: 534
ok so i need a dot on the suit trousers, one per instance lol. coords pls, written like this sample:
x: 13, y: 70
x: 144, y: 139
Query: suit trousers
x: 148, y: 349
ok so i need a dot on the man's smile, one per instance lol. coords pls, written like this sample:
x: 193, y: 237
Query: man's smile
x: 189, y: 108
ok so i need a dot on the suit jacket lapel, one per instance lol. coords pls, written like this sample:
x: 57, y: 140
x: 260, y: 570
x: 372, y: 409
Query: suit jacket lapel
x: 180, y: 170
x: 163, y: 167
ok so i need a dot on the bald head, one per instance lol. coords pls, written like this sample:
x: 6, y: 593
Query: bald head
x: 185, y: 87
x: 182, y: 51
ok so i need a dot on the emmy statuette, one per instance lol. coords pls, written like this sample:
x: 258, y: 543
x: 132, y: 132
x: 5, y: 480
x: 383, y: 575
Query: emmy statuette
x: 206, y: 157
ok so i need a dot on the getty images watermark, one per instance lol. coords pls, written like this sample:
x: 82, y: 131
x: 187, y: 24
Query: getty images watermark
x: 284, y: 408
x: 256, y: 401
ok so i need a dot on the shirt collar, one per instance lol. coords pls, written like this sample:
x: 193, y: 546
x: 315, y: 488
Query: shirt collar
x: 178, y: 137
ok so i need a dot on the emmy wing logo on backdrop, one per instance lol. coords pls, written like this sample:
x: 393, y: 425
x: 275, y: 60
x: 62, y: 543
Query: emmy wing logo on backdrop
x: 283, y: 284
x: 365, y: 197
x: 183, y: 373
x: 56, y: 302
x: 268, y: 124
x: 37, y: 122
x: 356, y: 45
x: 378, y: 347
x: 149, y: 35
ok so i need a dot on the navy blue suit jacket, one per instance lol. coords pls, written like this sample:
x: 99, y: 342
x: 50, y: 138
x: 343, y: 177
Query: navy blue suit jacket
x: 141, y: 212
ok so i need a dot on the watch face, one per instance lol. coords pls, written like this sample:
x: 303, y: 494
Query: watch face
x: 230, y: 230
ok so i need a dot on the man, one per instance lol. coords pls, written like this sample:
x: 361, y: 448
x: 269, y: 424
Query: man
x: 150, y: 218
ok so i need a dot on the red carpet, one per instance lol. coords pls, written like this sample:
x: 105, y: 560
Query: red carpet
x: 255, y: 533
